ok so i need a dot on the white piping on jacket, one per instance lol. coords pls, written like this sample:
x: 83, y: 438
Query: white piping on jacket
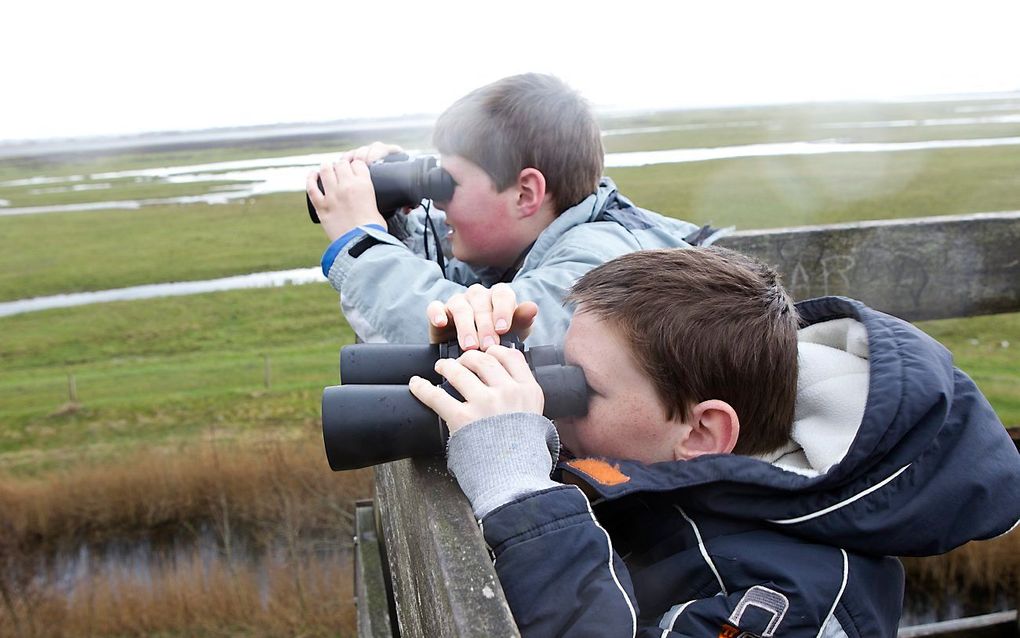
x: 704, y: 550
x: 1015, y: 525
x: 676, y: 611
x: 842, y: 587
x: 843, y: 503
x: 612, y: 570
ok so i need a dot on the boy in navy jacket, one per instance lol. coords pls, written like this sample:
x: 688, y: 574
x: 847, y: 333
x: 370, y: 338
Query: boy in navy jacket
x: 746, y: 467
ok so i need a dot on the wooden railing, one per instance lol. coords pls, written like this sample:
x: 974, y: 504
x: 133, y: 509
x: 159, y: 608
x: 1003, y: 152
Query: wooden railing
x: 432, y: 570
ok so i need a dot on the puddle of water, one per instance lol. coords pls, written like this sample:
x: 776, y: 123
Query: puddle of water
x: 149, y: 561
x: 146, y: 561
x: 678, y: 127
x: 946, y: 121
x: 76, y: 188
x: 984, y: 108
x: 255, y: 280
x: 644, y: 158
x: 36, y: 181
x: 286, y: 174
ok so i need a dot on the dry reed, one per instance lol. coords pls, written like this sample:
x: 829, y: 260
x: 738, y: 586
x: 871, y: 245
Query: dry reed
x: 287, y: 506
x: 196, y: 597
x: 981, y: 569
x: 246, y: 486
x: 279, y: 518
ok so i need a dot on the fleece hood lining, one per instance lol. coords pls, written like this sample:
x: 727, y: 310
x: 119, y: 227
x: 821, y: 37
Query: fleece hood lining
x: 832, y: 392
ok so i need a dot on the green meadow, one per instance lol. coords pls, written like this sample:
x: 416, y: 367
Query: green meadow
x: 165, y: 369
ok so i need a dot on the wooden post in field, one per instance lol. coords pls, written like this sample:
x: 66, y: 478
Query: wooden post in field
x: 72, y: 388
x: 266, y: 375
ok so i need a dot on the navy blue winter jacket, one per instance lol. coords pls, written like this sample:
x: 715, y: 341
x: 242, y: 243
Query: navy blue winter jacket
x: 728, y: 546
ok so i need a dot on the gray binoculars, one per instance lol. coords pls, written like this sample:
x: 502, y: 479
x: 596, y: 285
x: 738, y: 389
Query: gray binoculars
x: 372, y: 417
x: 400, y: 181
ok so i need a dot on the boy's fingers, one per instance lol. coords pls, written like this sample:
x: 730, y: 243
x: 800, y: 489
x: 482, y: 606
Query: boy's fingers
x: 328, y: 176
x: 361, y: 153
x: 513, y: 362
x: 461, y: 379
x: 377, y: 151
x: 481, y: 307
x: 436, y: 398
x: 312, y: 188
x: 504, y: 300
x: 439, y: 323
x: 359, y: 167
x: 343, y: 170
x: 464, y: 321
x: 524, y: 318
x: 487, y: 368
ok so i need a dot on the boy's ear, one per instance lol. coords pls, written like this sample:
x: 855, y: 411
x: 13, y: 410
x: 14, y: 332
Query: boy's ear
x: 530, y: 191
x: 712, y: 429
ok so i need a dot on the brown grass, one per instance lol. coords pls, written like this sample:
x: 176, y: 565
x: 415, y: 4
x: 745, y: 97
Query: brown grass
x: 978, y: 568
x: 254, y: 487
x: 196, y: 597
x: 279, y: 519
x: 281, y: 524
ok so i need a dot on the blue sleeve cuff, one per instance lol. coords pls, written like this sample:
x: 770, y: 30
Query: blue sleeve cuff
x: 338, y: 244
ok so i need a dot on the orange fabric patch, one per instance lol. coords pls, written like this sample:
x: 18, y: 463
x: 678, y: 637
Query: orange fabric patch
x: 601, y: 471
x: 728, y: 632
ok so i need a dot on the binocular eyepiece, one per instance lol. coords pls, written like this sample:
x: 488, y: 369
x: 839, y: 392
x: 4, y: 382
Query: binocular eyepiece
x: 373, y: 418
x: 400, y: 181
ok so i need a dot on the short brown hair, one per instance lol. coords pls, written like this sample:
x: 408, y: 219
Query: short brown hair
x: 705, y: 323
x: 527, y: 121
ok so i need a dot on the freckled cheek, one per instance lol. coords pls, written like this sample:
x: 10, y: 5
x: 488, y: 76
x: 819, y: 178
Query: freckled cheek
x: 593, y: 432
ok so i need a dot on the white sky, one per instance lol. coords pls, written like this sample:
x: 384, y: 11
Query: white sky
x: 103, y: 67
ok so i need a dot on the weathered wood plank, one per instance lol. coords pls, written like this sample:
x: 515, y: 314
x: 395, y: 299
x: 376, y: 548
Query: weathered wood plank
x: 444, y: 583
x: 927, y: 268
x: 369, y: 579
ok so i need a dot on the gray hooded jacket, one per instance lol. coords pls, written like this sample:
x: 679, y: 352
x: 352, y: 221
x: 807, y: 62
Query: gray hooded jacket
x: 385, y: 284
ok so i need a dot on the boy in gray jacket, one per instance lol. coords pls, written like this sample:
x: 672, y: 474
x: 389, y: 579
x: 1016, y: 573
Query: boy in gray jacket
x: 530, y: 209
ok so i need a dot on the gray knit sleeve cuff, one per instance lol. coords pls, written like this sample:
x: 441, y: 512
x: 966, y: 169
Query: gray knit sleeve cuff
x: 503, y: 457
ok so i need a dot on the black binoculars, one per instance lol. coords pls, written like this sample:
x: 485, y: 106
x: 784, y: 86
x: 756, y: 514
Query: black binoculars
x: 400, y: 181
x: 373, y: 418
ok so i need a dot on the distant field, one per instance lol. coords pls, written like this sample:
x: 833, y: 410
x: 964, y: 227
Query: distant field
x: 72, y: 252
x: 110, y: 249
x: 768, y: 192
x: 163, y: 371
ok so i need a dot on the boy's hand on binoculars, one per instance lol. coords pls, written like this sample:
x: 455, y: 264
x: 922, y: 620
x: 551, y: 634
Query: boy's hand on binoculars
x: 479, y: 316
x: 497, y: 381
x: 349, y: 197
x: 371, y: 153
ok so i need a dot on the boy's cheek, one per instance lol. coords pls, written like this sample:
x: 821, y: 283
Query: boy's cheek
x: 568, y: 435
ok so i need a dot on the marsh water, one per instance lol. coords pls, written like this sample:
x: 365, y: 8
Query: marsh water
x: 244, y: 179
x: 145, y: 563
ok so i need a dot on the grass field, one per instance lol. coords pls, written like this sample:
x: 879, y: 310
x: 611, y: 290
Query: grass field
x: 181, y: 360
x: 161, y: 379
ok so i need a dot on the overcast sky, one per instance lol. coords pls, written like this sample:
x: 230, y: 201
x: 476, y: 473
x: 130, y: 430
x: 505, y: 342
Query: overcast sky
x: 98, y: 67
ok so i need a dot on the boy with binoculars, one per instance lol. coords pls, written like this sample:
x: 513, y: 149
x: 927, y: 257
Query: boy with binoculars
x: 746, y: 467
x: 529, y: 207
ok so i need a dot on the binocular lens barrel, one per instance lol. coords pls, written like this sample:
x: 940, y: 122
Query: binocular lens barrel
x: 389, y: 363
x: 373, y: 417
x: 399, y: 182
